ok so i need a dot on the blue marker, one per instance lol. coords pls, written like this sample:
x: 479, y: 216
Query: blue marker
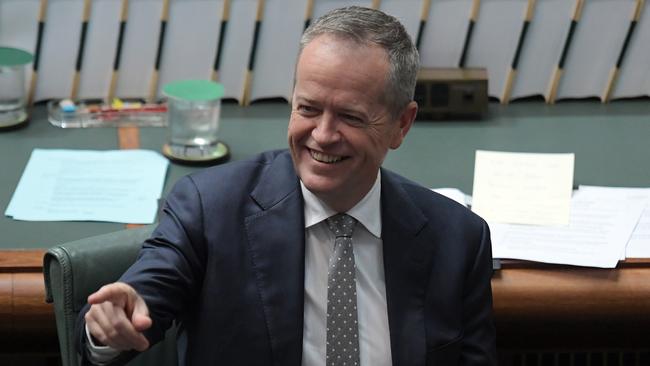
x: 67, y: 106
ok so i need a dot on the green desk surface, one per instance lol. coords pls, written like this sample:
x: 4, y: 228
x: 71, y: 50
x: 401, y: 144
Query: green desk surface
x: 611, y: 143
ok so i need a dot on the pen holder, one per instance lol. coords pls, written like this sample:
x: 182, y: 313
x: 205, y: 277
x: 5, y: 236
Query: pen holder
x: 13, y: 99
x: 193, y: 109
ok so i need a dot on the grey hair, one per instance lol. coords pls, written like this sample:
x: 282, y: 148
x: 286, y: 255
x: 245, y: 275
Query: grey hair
x: 366, y: 26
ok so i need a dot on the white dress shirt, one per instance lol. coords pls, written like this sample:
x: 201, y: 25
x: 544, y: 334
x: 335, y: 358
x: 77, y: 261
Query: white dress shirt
x: 374, y: 336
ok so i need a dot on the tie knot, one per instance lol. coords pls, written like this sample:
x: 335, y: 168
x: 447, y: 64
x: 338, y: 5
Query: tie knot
x: 341, y: 225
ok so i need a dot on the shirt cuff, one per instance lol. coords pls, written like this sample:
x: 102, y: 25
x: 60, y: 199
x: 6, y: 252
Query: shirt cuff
x: 99, y: 355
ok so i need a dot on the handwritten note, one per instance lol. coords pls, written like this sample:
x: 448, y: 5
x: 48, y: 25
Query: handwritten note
x: 523, y: 188
x: 84, y: 185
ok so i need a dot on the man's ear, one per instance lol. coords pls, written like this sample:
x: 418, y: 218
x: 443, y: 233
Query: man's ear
x: 405, y: 121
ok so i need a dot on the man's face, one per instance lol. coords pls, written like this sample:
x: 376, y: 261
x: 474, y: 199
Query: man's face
x: 340, y: 130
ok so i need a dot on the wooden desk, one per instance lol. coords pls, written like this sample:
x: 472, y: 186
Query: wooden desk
x: 535, y: 306
x: 557, y: 307
x: 26, y: 321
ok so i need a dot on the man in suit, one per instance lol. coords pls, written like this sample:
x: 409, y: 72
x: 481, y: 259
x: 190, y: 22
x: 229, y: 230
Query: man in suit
x: 246, y: 255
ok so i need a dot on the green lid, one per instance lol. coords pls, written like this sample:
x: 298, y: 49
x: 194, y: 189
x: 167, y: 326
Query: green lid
x: 14, y: 57
x: 194, y: 90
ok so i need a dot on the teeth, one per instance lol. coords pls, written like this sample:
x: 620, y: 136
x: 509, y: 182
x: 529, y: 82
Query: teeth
x: 324, y: 158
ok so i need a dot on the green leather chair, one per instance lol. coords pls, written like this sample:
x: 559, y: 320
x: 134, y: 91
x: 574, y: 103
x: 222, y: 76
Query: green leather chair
x: 75, y: 270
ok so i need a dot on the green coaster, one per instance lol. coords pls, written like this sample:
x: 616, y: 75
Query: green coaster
x: 14, y: 57
x: 194, y: 90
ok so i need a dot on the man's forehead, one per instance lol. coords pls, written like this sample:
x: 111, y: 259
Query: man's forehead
x: 341, y: 51
x: 336, y: 41
x: 359, y: 67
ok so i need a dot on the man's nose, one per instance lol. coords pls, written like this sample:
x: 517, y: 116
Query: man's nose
x: 327, y: 129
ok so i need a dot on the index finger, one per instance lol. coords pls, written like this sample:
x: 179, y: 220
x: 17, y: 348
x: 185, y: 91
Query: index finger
x: 115, y: 292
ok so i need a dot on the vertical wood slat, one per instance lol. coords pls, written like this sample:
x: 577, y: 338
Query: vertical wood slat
x: 129, y: 138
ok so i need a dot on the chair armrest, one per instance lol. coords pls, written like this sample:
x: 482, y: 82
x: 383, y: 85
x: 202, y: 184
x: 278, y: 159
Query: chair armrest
x: 74, y: 270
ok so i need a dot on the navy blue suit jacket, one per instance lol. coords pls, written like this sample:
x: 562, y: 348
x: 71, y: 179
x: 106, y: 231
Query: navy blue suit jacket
x: 227, y: 261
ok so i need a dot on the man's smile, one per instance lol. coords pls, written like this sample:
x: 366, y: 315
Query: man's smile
x: 325, y: 158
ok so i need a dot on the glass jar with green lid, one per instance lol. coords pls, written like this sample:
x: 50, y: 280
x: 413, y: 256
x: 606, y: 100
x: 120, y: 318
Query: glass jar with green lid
x: 193, y: 110
x: 13, y: 98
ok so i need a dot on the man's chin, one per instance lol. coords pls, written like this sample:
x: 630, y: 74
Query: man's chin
x: 320, y: 185
x: 320, y: 189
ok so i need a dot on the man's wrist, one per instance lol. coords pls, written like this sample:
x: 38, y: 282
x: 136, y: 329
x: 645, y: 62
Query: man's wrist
x: 98, y: 353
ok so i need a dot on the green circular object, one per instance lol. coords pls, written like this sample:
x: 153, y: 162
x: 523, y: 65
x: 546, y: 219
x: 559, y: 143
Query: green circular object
x: 14, y: 57
x: 194, y: 90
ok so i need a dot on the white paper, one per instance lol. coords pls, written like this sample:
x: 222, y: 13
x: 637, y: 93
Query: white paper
x: 82, y: 185
x: 639, y: 244
x: 597, y: 234
x: 523, y: 188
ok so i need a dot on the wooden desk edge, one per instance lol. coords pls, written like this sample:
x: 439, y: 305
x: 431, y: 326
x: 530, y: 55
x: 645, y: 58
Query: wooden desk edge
x: 524, y: 297
x: 524, y: 264
x: 18, y: 260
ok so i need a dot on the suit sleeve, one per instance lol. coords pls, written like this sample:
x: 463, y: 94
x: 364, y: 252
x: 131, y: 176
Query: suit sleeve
x: 170, y: 266
x: 479, y: 341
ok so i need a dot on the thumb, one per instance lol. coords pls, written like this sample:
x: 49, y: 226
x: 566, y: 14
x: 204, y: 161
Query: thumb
x: 140, y: 316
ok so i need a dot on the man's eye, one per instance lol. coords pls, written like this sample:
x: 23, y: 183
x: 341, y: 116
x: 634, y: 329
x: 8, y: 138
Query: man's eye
x: 306, y: 109
x: 352, y: 119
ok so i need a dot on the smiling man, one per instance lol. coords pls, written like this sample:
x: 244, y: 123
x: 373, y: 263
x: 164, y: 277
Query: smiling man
x: 316, y: 255
x: 341, y: 123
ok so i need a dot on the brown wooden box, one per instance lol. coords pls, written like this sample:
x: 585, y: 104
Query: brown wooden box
x: 448, y: 93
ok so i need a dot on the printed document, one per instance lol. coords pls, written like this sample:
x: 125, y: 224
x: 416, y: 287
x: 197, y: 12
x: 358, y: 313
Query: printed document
x: 639, y: 244
x: 86, y: 185
x: 596, y: 235
x: 523, y: 188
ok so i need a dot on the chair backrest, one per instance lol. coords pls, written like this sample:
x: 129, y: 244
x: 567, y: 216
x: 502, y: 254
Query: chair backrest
x: 75, y: 270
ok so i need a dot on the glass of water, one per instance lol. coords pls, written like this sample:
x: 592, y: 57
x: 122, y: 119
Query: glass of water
x: 13, y: 98
x: 193, y: 109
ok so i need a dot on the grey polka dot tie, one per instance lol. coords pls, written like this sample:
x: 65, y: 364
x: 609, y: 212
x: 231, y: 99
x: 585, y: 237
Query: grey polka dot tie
x: 342, y: 327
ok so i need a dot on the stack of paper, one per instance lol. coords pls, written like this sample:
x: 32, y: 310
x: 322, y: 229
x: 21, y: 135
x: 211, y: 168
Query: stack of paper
x: 526, y: 199
x: 638, y: 246
x: 80, y: 185
x: 596, y: 236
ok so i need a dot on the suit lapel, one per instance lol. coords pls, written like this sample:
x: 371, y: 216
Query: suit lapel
x: 406, y: 256
x: 276, y: 244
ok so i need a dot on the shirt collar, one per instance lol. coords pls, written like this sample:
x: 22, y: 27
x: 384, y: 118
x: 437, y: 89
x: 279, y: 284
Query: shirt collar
x: 367, y: 211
